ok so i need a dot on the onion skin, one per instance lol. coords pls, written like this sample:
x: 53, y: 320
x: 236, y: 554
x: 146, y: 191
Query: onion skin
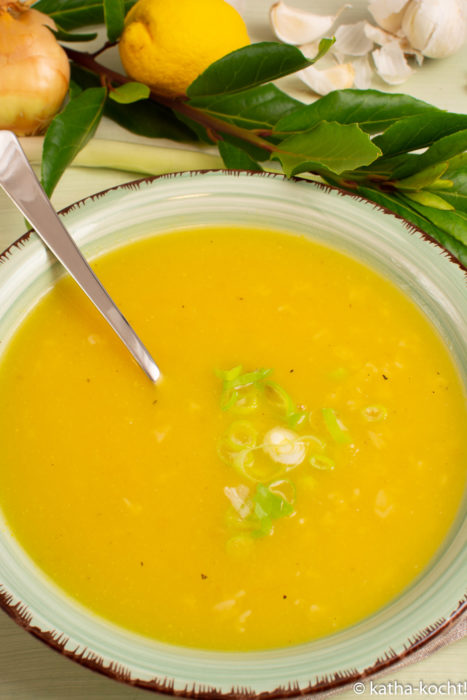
x: 34, y: 70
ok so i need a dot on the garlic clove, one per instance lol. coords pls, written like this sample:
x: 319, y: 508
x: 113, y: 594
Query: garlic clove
x: 437, y: 28
x: 324, y: 81
x: 311, y: 48
x: 391, y: 64
x: 363, y: 72
x: 295, y: 26
x: 378, y: 35
x: 352, y: 40
x: 381, y: 37
x: 388, y: 13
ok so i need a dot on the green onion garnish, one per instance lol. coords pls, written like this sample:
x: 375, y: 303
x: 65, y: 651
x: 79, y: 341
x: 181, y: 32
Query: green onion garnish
x: 272, y: 504
x: 322, y: 462
x: 229, y: 375
x: 269, y: 506
x: 277, y: 396
x: 241, y: 435
x: 336, y: 429
x: 285, y: 489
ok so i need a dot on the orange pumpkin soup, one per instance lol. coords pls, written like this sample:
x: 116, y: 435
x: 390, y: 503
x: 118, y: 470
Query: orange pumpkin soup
x: 297, y: 466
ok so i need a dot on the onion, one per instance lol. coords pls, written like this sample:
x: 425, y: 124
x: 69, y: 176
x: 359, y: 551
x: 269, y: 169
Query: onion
x: 34, y: 70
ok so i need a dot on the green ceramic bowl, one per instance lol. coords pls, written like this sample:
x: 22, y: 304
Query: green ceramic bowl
x: 421, y: 268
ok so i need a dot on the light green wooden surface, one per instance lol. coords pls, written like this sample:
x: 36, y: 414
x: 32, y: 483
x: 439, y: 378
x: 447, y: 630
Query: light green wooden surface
x: 28, y: 669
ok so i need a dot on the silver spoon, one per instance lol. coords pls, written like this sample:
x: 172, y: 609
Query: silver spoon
x: 22, y: 186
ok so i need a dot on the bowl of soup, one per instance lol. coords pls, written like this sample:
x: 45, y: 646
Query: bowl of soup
x: 284, y: 511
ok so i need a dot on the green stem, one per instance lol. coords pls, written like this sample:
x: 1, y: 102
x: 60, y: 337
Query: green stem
x: 212, y: 124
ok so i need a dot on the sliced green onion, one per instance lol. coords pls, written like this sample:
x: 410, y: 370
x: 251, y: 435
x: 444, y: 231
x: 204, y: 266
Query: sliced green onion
x: 296, y: 419
x: 224, y: 451
x: 322, y: 462
x: 234, y: 521
x: 375, y: 413
x: 285, y: 489
x: 229, y: 375
x: 241, y: 400
x: 336, y: 429
x: 259, y: 470
x: 235, y: 389
x: 314, y: 442
x: 246, y: 400
x: 284, y: 446
x: 241, y: 435
x: 270, y: 504
x: 242, y: 461
x: 279, y: 398
x: 238, y: 497
x: 249, y: 378
x: 228, y: 398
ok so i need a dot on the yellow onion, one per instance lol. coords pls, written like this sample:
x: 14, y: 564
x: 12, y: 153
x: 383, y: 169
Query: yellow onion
x: 34, y: 70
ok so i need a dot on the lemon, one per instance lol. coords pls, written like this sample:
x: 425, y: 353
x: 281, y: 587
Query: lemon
x: 166, y: 44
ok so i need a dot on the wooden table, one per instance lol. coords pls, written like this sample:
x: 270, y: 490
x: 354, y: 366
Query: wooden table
x: 28, y: 669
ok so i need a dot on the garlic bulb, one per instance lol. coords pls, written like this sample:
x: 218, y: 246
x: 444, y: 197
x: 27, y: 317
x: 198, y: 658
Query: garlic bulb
x: 437, y: 28
x: 388, y: 13
x: 34, y: 69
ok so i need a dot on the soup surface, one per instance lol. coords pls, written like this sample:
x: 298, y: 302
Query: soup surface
x: 229, y: 506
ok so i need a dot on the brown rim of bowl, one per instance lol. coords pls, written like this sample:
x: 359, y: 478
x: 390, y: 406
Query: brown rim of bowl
x: 134, y: 184
x: 420, y: 645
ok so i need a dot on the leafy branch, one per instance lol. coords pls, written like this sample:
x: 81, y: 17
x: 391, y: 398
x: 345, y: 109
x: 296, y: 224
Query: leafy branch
x: 397, y: 151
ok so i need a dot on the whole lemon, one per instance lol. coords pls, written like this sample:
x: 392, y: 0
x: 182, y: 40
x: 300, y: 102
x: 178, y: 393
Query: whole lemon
x: 166, y: 44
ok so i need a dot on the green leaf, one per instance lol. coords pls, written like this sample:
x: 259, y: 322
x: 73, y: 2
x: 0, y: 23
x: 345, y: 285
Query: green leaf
x: 251, y: 66
x: 443, y: 149
x: 236, y: 159
x: 149, y: 119
x: 396, y: 203
x: 429, y: 199
x: 338, y: 147
x: 257, y: 153
x: 114, y: 17
x: 457, y: 175
x: 62, y: 35
x: 70, y: 14
x: 372, y: 110
x: 423, y: 178
x: 146, y: 118
x: 130, y: 92
x: 69, y: 132
x: 256, y: 108
x: 419, y: 131
x: 452, y: 222
x: 74, y: 89
x: 197, y: 129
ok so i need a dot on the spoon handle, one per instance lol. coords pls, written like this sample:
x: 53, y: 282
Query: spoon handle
x: 21, y: 184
